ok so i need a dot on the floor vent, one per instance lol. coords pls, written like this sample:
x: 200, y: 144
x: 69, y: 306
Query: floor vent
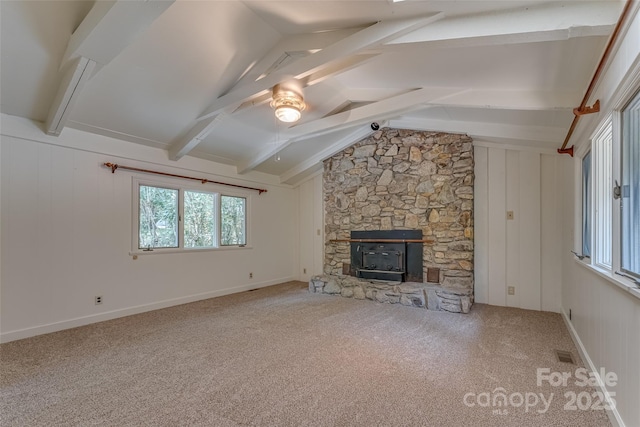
x: 564, y: 356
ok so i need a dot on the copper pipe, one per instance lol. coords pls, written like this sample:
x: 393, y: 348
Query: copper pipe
x: 114, y: 166
x: 596, y: 77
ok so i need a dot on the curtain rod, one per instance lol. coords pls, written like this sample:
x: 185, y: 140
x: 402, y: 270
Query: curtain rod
x: 583, y: 109
x: 114, y: 166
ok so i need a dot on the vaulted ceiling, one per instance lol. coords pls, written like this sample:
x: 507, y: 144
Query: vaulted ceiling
x: 194, y: 77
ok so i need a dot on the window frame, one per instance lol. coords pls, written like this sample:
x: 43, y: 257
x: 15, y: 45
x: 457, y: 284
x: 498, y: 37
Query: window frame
x: 602, y: 202
x: 623, y: 96
x: 135, y: 245
x: 634, y: 98
x: 587, y: 204
x: 219, y: 219
x: 181, y: 187
x: 216, y: 226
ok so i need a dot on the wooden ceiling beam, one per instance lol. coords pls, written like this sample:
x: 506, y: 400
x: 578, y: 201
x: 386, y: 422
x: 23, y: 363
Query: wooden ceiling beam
x: 111, y: 26
x: 542, y: 134
x: 338, y: 57
x: 547, y: 22
x: 195, y: 135
x: 523, y: 100
x: 74, y: 78
x: 374, y: 35
x: 358, y: 134
x: 312, y: 79
x: 425, y: 98
x: 310, y: 42
x: 108, y: 28
x: 376, y: 111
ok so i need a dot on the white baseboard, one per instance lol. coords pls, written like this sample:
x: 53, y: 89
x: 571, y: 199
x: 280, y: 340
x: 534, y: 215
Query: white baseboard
x: 101, y: 317
x: 613, y: 414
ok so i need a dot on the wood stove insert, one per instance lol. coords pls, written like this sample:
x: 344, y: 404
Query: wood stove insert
x: 387, y: 255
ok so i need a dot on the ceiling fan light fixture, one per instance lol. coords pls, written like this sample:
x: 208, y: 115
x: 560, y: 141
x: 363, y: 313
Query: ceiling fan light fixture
x: 288, y: 104
x: 288, y: 114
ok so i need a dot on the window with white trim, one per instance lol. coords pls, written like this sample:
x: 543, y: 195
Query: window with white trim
x: 199, y: 219
x: 233, y: 220
x: 168, y: 217
x: 587, y: 204
x: 630, y: 189
x: 610, y: 190
x: 602, y: 197
x: 157, y: 217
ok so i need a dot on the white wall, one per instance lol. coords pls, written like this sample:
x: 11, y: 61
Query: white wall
x: 523, y: 252
x: 66, y: 234
x: 605, y: 319
x: 311, y: 233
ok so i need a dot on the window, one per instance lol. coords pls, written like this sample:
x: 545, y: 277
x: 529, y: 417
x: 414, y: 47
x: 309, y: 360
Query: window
x: 602, y: 197
x: 586, y: 205
x: 233, y: 220
x: 180, y: 218
x: 199, y: 219
x: 158, y: 218
x: 611, y: 212
x: 630, y: 189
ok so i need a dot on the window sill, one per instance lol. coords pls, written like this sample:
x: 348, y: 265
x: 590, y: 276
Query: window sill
x: 620, y: 281
x: 188, y: 251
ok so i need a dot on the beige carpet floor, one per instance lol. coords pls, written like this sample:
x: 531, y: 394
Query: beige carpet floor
x: 280, y: 356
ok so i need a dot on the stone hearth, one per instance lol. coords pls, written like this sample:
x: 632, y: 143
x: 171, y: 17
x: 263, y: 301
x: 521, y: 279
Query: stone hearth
x: 412, y: 294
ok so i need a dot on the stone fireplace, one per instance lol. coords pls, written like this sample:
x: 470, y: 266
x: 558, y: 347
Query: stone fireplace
x: 400, y: 180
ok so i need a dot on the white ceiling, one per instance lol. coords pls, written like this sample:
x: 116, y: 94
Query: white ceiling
x: 181, y: 75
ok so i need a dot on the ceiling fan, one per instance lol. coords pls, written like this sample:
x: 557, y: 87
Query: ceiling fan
x: 287, y: 100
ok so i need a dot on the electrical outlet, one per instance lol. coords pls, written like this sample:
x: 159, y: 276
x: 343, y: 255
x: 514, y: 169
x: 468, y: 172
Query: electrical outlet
x: 509, y: 214
x: 250, y: 275
x: 511, y: 290
x: 98, y: 299
x: 318, y: 231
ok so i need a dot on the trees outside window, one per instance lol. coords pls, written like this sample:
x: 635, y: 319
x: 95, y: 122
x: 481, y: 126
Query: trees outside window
x: 177, y: 218
x: 199, y: 220
x: 158, y: 218
x: 233, y: 220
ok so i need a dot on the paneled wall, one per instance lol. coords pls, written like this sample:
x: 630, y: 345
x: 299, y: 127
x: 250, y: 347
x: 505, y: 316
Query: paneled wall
x: 604, y: 318
x: 311, y: 232
x: 522, y: 252
x: 67, y: 232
